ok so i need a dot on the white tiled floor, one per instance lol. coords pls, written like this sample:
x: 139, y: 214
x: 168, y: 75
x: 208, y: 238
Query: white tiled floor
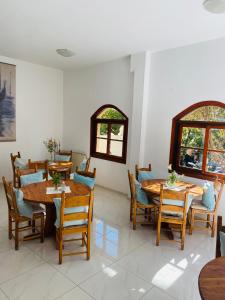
x: 124, y: 264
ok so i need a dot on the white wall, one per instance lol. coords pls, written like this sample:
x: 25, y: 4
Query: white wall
x: 39, y: 112
x: 179, y: 78
x: 84, y: 92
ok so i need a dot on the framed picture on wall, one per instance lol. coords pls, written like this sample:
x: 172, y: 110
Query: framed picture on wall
x: 7, y: 102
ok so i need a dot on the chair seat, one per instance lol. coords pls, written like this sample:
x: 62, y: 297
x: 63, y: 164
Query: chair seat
x: 199, y: 205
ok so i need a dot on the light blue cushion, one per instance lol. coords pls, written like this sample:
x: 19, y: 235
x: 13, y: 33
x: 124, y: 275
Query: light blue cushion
x: 57, y: 202
x: 90, y: 182
x: 25, y: 209
x: 145, y: 175
x: 82, y: 166
x: 59, y: 157
x: 222, y: 243
x: 141, y: 196
x: 20, y: 163
x: 208, y: 197
x: 31, y: 178
x: 178, y: 202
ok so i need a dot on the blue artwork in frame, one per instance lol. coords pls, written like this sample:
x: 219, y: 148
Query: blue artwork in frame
x: 7, y: 102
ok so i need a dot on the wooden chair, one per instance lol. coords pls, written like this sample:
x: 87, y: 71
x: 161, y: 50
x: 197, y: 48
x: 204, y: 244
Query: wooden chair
x: 200, y: 209
x: 15, y: 217
x: 86, y: 168
x: 137, y: 208
x: 24, y: 172
x: 13, y: 158
x: 172, y: 213
x: 220, y: 227
x: 65, y: 152
x: 137, y: 169
x: 84, y: 228
x: 41, y: 165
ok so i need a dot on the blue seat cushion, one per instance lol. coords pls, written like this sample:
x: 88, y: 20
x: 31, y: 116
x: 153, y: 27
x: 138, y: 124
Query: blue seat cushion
x: 222, y: 243
x: 90, y: 182
x: 20, y: 163
x: 70, y: 210
x: 208, y: 197
x: 145, y: 175
x: 178, y: 203
x: 59, y: 157
x: 26, y: 209
x: 82, y: 166
x: 141, y: 196
x: 31, y: 178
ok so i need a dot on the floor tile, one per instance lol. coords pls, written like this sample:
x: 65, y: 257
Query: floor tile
x: 75, y: 294
x: 115, y: 282
x: 43, y: 282
x: 157, y: 294
x: 78, y: 269
x: 17, y: 262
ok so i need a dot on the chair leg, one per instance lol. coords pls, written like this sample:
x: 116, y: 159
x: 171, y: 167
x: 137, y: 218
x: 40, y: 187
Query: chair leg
x: 10, y: 226
x: 208, y: 221
x: 214, y: 224
x: 134, y: 216
x: 42, y: 228
x: 88, y: 245
x: 192, y: 221
x: 16, y: 235
x: 131, y: 210
x: 158, y: 231
x: 60, y: 246
x: 83, y: 237
x: 183, y: 236
x: 33, y: 226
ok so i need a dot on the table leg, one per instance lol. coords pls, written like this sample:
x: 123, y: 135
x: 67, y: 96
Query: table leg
x: 50, y: 220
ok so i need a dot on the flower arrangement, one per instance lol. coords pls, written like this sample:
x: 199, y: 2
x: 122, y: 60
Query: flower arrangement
x: 56, y: 178
x: 51, y: 146
x: 173, y: 177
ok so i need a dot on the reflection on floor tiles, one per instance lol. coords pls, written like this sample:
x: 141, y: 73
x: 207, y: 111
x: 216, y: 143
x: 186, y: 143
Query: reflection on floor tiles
x: 124, y: 264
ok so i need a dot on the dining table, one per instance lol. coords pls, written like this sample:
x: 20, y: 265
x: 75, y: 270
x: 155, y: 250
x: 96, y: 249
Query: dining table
x: 37, y: 193
x: 211, y: 281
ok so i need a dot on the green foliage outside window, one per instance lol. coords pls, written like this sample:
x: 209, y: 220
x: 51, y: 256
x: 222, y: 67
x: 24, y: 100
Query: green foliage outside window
x: 111, y: 114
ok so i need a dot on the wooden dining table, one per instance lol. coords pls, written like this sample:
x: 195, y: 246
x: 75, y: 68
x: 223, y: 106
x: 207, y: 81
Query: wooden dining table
x: 211, y: 281
x: 152, y: 186
x: 36, y: 193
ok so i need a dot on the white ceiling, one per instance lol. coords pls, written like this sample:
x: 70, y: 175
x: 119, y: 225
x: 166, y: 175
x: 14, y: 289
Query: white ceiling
x: 101, y: 30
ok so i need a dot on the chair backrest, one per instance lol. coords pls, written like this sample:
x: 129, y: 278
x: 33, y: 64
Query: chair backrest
x: 88, y: 161
x: 218, y: 186
x: 39, y: 165
x: 13, y: 158
x: 177, y: 204
x: 76, y: 201
x: 24, y: 172
x: 132, y: 185
x: 65, y: 152
x: 10, y: 196
x: 87, y: 174
x: 137, y: 169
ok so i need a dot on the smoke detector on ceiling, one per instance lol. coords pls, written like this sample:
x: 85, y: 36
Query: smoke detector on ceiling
x: 65, y: 52
x: 214, y: 6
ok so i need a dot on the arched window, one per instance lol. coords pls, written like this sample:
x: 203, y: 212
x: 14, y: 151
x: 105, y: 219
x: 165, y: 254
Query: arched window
x: 198, y: 140
x: 109, y: 127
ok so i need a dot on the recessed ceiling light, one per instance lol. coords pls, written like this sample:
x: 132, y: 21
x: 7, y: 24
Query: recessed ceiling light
x: 65, y: 52
x: 214, y: 6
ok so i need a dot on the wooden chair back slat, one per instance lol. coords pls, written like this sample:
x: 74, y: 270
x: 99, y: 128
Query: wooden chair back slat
x: 137, y: 169
x: 77, y: 201
x: 76, y: 216
x: 218, y: 186
x: 132, y: 185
